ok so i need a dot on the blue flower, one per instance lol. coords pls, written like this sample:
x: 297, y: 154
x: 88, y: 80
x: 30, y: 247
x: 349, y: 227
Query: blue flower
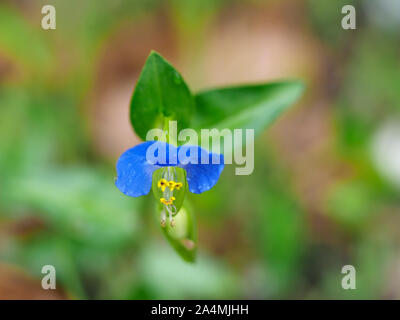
x: 136, y: 166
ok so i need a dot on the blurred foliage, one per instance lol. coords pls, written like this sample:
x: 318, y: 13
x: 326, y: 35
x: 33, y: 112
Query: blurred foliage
x: 268, y: 235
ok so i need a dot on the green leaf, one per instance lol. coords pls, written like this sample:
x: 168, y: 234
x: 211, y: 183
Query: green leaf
x: 161, y: 94
x: 247, y: 107
x: 183, y: 235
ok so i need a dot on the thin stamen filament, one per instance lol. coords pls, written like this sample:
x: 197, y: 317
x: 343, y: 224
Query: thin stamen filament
x: 163, y: 218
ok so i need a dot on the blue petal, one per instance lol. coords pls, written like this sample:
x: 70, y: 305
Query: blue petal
x: 200, y: 176
x: 162, y: 154
x: 134, y: 172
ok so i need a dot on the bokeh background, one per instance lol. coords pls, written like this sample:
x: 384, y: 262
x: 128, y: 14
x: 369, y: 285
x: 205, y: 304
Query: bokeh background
x: 325, y: 191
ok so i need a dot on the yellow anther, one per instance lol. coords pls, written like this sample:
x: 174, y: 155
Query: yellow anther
x: 167, y: 202
x: 171, y: 185
x: 162, y: 184
x: 178, y: 185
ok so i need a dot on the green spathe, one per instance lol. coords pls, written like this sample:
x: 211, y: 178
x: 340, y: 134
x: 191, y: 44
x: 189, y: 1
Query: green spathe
x: 170, y: 174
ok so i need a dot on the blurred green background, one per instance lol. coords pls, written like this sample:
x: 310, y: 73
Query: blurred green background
x: 325, y: 191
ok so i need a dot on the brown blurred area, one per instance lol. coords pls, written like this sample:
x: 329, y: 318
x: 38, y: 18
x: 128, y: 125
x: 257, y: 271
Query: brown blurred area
x: 16, y: 284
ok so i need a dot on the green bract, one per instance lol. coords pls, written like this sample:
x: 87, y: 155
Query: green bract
x: 160, y: 94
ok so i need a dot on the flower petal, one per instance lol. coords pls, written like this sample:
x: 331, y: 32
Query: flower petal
x: 162, y: 154
x: 134, y: 172
x: 201, y: 175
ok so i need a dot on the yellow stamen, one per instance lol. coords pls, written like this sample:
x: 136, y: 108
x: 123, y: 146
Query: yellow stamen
x: 162, y: 200
x: 162, y: 184
x: 171, y: 185
x: 178, y: 185
x: 167, y: 202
